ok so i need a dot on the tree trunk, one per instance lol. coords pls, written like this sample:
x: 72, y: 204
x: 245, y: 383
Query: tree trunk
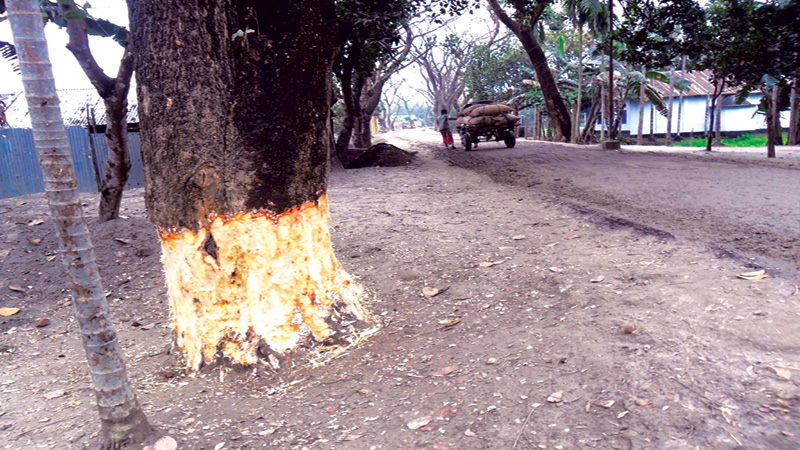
x: 591, y: 118
x: 719, y: 86
x: 577, y: 120
x: 718, y: 120
x: 350, y: 113
x: 680, y: 99
x: 118, y: 163
x: 776, y: 95
x: 114, y: 92
x: 772, y: 111
x: 794, y: 116
x: 556, y: 109
x: 237, y: 174
x: 652, y: 122
x: 642, y: 97
x: 670, y: 105
x: 121, y: 417
x: 604, y: 113
x: 370, y: 99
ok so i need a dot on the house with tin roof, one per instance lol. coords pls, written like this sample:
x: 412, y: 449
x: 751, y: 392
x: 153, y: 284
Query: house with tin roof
x: 690, y: 113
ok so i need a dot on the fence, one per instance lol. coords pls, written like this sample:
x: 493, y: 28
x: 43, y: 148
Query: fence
x: 19, y: 167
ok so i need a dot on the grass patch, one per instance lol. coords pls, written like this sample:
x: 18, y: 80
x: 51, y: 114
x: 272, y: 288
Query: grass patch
x: 745, y: 140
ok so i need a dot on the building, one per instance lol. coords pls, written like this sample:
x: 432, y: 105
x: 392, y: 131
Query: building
x: 736, y: 118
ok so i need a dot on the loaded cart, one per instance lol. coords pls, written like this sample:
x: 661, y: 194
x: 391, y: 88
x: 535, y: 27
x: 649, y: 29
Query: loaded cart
x: 486, y: 121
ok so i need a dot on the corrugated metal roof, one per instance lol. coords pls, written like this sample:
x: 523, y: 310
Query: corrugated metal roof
x: 74, y: 106
x: 700, y: 83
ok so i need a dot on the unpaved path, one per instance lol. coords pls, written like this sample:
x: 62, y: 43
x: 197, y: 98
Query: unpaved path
x: 554, y: 327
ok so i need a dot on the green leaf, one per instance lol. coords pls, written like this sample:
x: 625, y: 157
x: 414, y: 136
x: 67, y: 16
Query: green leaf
x: 65, y: 2
x: 74, y: 14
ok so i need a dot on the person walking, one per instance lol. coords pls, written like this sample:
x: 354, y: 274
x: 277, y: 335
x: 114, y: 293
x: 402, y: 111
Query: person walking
x: 443, y: 125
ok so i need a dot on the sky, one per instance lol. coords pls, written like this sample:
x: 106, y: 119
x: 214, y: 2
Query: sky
x: 67, y: 72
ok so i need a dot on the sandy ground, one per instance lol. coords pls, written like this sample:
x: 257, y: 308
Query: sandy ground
x: 586, y: 299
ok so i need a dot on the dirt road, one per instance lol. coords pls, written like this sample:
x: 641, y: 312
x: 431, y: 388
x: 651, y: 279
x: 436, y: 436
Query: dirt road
x: 535, y: 302
x: 742, y: 205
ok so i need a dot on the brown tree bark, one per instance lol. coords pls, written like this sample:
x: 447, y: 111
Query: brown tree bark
x: 235, y: 141
x: 556, y: 109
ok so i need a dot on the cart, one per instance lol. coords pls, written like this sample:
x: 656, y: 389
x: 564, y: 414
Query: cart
x: 474, y: 133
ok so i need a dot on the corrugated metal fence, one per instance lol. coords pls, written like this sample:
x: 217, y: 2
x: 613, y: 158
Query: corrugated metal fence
x: 19, y: 167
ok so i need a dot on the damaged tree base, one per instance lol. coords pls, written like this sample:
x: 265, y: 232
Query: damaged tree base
x: 257, y: 285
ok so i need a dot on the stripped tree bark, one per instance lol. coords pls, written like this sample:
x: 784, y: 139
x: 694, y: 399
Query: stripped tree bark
x: 121, y: 417
x: 237, y: 174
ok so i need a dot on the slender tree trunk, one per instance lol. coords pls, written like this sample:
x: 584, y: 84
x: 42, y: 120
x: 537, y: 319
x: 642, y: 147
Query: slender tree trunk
x: 718, y: 86
x: 121, y: 417
x: 718, y: 120
x: 652, y: 122
x: 237, y: 175
x: 348, y: 121
x: 591, y: 118
x: 776, y: 95
x: 772, y: 114
x: 114, y: 92
x: 118, y: 164
x: 794, y: 116
x: 642, y: 97
x: 577, y: 120
x: 604, y: 114
x: 680, y: 101
x: 669, y: 106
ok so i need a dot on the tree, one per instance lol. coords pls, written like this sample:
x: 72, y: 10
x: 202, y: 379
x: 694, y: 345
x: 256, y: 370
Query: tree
x: 441, y: 66
x: 235, y: 144
x: 581, y: 12
x: 498, y: 72
x: 366, y: 34
x: 121, y: 417
x: 113, y: 91
x: 523, y: 25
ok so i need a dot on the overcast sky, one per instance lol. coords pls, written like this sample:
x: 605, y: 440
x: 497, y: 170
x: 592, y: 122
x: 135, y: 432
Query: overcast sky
x: 68, y: 73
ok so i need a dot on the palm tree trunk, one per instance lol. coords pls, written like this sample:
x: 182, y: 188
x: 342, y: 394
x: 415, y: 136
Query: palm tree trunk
x: 641, y: 109
x: 121, y: 417
x: 680, y: 101
x: 576, y: 122
x: 669, y: 108
x: 604, y: 114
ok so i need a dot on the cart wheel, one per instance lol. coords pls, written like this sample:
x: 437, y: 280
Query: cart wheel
x: 510, y: 139
x: 466, y: 141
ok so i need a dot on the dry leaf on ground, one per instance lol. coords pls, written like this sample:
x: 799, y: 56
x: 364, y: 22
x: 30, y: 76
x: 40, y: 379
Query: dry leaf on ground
x: 419, y: 423
x: 8, y: 311
x: 754, y: 275
x: 781, y: 372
